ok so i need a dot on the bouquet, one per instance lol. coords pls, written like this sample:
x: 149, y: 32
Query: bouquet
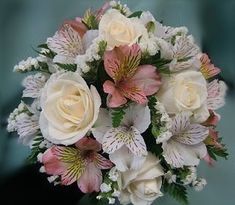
x: 122, y: 105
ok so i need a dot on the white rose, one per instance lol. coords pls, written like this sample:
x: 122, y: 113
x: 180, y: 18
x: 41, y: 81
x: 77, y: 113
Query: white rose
x: 141, y: 186
x: 69, y: 108
x: 119, y: 30
x: 186, y: 91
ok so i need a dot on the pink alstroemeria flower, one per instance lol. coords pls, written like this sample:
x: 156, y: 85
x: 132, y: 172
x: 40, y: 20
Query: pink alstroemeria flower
x: 81, y: 164
x: 77, y: 25
x: 207, y: 68
x: 131, y: 81
x: 213, y: 119
x: 100, y: 12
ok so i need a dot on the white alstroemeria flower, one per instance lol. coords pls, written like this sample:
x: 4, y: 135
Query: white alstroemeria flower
x: 33, y: 85
x: 184, y: 53
x: 124, y: 144
x: 159, y: 30
x: 25, y: 121
x: 216, y: 94
x: 185, y: 147
x: 67, y: 43
x: 171, y: 32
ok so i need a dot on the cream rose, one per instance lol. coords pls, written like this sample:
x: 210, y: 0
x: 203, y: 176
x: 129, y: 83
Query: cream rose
x: 141, y: 186
x: 69, y: 108
x: 119, y: 30
x: 186, y: 91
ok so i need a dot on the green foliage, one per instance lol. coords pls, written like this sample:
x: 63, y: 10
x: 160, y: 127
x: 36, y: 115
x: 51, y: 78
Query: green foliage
x: 68, y: 67
x: 150, y: 142
x: 49, y: 54
x: 35, y: 150
x: 136, y: 14
x: 215, y: 152
x: 150, y: 27
x: 155, y: 117
x: 117, y: 115
x: 177, y: 191
x: 90, y: 20
x: 102, y: 48
x: 160, y: 63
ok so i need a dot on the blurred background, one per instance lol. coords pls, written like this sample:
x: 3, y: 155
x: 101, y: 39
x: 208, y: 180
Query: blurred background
x: 26, y: 23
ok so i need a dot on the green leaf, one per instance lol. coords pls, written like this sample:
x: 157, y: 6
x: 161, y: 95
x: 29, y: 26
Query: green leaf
x: 136, y: 14
x: 49, y: 54
x: 117, y: 115
x: 35, y: 150
x: 90, y: 20
x: 102, y: 48
x: 68, y: 67
x: 177, y: 191
x: 215, y: 152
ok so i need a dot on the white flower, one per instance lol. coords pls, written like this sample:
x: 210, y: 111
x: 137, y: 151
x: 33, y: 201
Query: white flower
x: 105, y: 187
x: 113, y: 174
x: 159, y: 30
x: 26, y: 65
x: 116, y: 193
x: 216, y: 94
x: 185, y: 147
x: 33, y: 85
x: 186, y: 91
x: 69, y: 108
x: 172, y: 32
x: 68, y: 44
x: 142, y: 186
x: 25, y: 121
x: 199, y: 184
x: 52, y: 67
x: 111, y: 200
x: 149, y: 45
x: 191, y: 176
x: 183, y: 53
x: 122, y: 8
x: 119, y: 30
x: 170, y: 177
x: 124, y: 144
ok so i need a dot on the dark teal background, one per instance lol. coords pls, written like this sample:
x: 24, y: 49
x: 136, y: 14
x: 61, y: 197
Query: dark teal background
x: 26, y: 23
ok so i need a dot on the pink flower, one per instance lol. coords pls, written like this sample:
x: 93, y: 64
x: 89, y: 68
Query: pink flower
x: 213, y: 119
x: 131, y: 81
x: 77, y: 25
x: 81, y: 163
x: 102, y: 10
x: 207, y: 68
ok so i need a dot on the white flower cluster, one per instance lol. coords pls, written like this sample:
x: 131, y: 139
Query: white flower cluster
x: 24, y: 122
x: 92, y: 54
x: 190, y: 177
x: 27, y: 65
x: 199, y: 184
x: 166, y: 123
x: 123, y: 8
x: 109, y: 189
